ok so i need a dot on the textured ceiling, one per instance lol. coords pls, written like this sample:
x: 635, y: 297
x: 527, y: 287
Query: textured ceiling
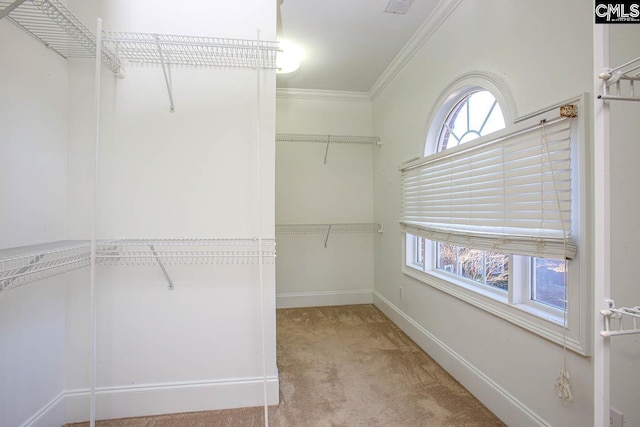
x: 347, y: 43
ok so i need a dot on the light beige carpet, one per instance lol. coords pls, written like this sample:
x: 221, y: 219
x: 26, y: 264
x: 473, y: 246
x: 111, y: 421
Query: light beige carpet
x: 346, y: 366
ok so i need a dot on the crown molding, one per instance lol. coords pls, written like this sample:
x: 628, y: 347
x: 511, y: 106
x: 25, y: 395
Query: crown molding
x: 441, y: 12
x: 325, y: 95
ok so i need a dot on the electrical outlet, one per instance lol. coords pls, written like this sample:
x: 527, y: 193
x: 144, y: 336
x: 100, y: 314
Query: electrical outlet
x: 616, y: 418
x: 401, y: 293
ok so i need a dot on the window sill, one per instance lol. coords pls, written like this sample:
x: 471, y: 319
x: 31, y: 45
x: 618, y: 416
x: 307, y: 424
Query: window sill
x: 538, y: 321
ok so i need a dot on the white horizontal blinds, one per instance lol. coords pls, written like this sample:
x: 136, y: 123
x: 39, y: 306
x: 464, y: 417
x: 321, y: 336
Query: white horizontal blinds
x: 506, y: 194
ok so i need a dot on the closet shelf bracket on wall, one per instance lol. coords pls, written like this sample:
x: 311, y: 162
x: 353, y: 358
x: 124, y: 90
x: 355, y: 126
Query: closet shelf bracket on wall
x: 166, y: 70
x: 624, y: 316
x: 622, y: 80
x: 327, y: 229
x: 328, y: 139
x: 162, y: 267
x: 57, y: 28
x: 26, y: 264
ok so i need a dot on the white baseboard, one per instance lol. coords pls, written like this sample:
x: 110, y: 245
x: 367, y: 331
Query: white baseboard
x: 506, y: 406
x: 319, y: 299
x: 156, y: 399
x: 51, y: 414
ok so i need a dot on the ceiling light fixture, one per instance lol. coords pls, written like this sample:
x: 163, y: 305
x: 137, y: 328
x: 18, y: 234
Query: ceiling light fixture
x: 288, y: 57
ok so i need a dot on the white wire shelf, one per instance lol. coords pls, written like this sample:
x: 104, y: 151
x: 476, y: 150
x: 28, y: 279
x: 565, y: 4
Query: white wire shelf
x: 325, y: 139
x: 327, y: 229
x: 19, y: 266
x: 185, y: 251
x: 619, y: 83
x: 50, y: 22
x: 162, y: 49
x: 26, y: 264
x: 627, y: 319
x: 323, y: 229
x: 57, y: 28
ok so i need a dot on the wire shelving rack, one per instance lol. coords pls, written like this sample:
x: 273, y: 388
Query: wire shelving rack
x: 148, y: 48
x: 327, y: 229
x: 185, y: 251
x: 26, y: 264
x: 322, y: 229
x: 50, y: 22
x: 328, y: 139
x: 163, y: 252
x: 618, y: 84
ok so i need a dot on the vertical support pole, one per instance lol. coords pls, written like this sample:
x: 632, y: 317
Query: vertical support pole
x: 94, y: 208
x: 601, y: 243
x: 263, y: 343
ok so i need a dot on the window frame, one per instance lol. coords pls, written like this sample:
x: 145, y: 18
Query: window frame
x: 516, y: 305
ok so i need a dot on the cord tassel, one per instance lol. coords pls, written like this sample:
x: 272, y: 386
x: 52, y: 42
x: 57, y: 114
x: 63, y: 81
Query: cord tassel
x: 563, y: 387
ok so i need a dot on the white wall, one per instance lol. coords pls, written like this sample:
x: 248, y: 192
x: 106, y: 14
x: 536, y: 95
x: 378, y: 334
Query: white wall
x: 625, y: 228
x: 311, y: 192
x: 32, y: 353
x: 190, y: 174
x: 543, y: 57
x: 33, y: 131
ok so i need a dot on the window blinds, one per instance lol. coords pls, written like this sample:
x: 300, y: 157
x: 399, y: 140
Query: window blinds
x: 510, y: 193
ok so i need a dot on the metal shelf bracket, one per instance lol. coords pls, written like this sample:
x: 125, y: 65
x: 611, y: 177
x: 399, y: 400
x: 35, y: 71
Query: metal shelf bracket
x: 622, y: 315
x: 326, y: 152
x: 618, y: 83
x: 161, y: 264
x: 166, y: 70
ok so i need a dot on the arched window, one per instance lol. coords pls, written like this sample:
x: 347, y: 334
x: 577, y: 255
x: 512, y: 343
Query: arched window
x: 475, y: 114
x: 436, y: 250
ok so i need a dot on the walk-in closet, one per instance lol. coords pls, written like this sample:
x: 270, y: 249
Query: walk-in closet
x: 291, y: 212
